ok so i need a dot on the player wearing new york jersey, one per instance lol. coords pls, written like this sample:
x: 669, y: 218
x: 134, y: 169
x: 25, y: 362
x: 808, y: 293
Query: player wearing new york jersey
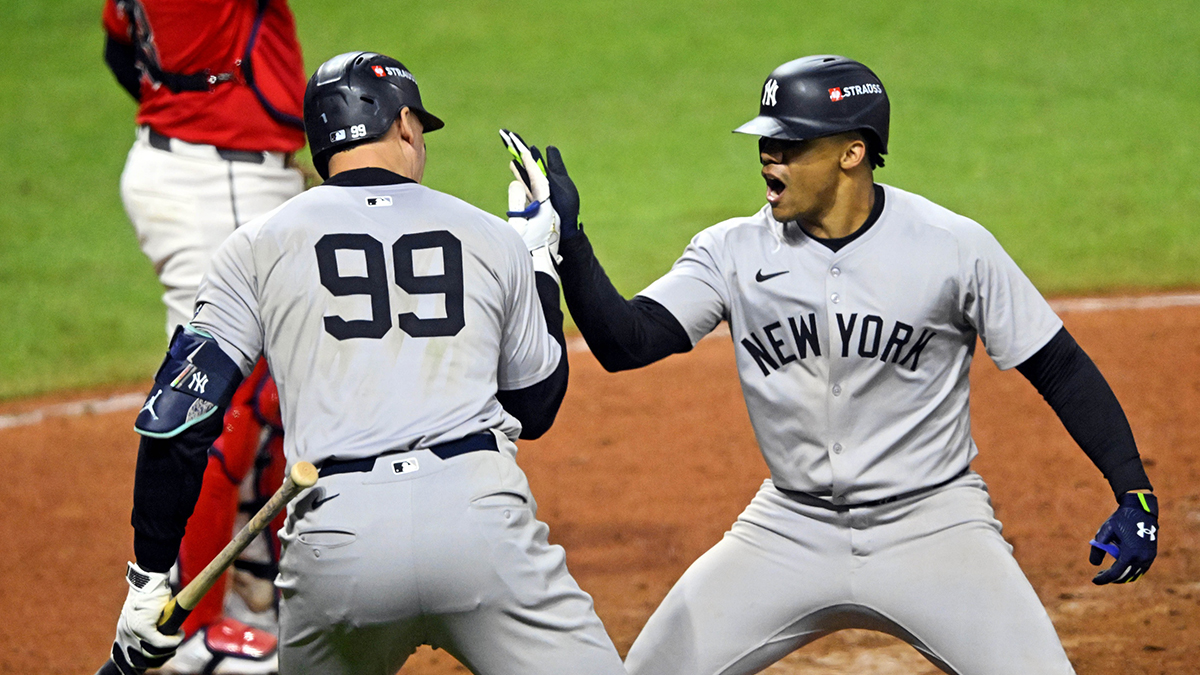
x: 854, y: 310
x: 412, y: 343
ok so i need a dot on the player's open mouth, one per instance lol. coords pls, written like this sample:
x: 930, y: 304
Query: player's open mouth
x: 775, y: 188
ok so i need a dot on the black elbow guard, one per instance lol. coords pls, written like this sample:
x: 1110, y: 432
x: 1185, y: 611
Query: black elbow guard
x: 195, y: 380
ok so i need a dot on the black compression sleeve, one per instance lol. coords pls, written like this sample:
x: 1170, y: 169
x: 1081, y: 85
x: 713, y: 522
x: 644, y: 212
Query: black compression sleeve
x: 537, y: 405
x: 623, y: 334
x: 1073, y: 386
x: 165, y: 489
x: 122, y: 61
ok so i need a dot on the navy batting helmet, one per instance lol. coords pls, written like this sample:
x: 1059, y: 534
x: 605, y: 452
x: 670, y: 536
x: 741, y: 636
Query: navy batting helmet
x: 355, y: 97
x: 820, y: 96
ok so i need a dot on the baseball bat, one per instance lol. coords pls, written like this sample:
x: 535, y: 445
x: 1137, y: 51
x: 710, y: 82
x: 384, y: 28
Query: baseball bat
x: 302, y: 476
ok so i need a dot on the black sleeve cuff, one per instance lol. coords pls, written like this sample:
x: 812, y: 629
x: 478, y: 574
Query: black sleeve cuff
x: 537, y: 405
x: 154, y: 555
x: 622, y: 334
x: 1070, y: 382
x: 165, y: 489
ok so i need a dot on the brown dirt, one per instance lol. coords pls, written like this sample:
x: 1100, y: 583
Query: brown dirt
x: 646, y: 470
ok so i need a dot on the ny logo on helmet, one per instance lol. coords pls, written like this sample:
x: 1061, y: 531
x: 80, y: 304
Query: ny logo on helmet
x: 769, y: 90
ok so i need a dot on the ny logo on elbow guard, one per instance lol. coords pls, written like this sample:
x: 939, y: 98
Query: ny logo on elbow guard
x: 199, y: 381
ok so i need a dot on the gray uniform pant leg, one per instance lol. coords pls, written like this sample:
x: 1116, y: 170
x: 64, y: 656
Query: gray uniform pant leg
x: 932, y: 570
x: 449, y: 553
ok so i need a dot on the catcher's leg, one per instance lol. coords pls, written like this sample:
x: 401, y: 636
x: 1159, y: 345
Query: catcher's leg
x: 211, y: 526
x: 253, y: 599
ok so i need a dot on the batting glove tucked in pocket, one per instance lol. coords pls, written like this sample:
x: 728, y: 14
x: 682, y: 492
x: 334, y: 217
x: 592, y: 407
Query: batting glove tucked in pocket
x: 139, y: 645
x: 1131, y: 536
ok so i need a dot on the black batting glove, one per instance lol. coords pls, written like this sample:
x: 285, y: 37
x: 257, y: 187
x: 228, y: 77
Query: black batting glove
x: 1131, y: 536
x: 563, y: 194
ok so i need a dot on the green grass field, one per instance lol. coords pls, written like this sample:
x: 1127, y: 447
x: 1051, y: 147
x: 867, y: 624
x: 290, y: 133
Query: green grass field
x: 1069, y: 129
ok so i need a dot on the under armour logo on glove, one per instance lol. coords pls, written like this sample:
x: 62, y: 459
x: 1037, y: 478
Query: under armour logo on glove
x: 1129, y: 535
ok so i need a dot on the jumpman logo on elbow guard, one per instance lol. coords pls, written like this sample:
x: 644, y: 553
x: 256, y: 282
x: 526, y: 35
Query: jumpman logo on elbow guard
x: 149, y: 407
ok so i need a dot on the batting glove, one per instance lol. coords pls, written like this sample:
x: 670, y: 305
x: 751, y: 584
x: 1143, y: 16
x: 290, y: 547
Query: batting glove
x: 529, y: 210
x: 563, y: 194
x: 139, y: 645
x: 1131, y: 536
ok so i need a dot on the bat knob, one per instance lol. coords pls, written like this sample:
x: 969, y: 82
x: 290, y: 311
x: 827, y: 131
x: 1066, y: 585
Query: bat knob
x: 304, y: 474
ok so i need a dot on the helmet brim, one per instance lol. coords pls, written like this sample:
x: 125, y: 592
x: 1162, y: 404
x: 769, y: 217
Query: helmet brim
x: 767, y: 127
x: 429, y: 121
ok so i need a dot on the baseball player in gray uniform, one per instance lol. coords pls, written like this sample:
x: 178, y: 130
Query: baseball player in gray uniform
x: 854, y: 309
x: 412, y: 342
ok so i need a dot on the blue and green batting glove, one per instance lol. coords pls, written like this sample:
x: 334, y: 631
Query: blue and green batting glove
x: 1131, y: 536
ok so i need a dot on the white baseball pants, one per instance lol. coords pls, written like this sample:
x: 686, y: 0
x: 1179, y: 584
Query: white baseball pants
x: 183, y: 202
x: 932, y: 570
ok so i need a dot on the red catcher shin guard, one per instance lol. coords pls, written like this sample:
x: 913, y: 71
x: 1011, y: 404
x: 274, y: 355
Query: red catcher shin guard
x: 211, y: 526
x: 208, y: 531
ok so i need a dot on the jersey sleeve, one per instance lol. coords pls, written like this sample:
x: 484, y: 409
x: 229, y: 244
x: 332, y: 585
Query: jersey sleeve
x: 528, y: 353
x: 694, y: 291
x: 1000, y: 302
x: 227, y: 301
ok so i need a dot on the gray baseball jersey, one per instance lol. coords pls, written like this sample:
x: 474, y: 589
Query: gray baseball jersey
x: 396, y: 327
x: 854, y: 363
x: 390, y: 315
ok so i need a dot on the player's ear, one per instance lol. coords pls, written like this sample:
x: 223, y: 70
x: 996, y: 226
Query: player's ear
x: 854, y: 152
x: 410, y: 127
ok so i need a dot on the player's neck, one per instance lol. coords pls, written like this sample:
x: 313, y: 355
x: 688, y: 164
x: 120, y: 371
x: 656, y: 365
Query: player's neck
x: 381, y: 155
x: 849, y: 211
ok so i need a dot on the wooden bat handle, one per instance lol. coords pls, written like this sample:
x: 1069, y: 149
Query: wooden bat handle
x: 302, y: 476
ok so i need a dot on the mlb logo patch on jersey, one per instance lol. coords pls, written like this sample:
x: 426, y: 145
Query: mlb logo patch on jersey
x: 379, y: 201
x: 406, y: 466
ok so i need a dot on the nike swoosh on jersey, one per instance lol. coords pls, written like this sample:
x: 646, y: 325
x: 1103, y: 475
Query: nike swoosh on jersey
x: 316, y: 503
x: 760, y: 277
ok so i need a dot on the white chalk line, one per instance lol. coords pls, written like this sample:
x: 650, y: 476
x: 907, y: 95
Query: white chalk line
x: 1126, y: 302
x: 94, y: 406
x: 575, y: 345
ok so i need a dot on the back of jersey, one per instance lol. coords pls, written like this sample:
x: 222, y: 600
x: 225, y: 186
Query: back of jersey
x: 389, y: 316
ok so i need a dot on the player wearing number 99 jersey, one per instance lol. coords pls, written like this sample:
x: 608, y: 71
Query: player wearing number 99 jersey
x: 409, y: 309
x: 412, y: 343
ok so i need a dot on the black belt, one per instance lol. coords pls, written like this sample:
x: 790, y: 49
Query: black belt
x: 481, y: 441
x: 812, y: 500
x: 161, y: 142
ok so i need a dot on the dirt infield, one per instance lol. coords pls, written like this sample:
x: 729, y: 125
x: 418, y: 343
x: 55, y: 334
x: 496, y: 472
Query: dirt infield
x: 646, y: 470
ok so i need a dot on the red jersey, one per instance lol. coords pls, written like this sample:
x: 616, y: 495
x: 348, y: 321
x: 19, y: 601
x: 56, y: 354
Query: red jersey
x: 205, y: 41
